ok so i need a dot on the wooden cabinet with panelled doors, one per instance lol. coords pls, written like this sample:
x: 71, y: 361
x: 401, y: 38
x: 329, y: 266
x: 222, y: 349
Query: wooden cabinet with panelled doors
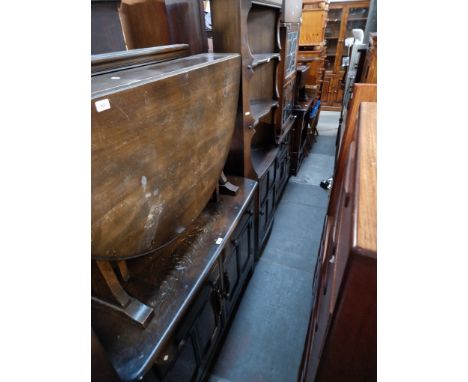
x: 193, y: 291
x: 343, y: 17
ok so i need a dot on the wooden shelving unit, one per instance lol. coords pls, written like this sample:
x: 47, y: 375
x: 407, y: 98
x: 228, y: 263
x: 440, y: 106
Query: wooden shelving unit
x: 312, y: 41
x: 251, y: 28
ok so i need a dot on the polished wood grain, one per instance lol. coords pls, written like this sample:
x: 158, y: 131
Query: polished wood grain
x: 108, y: 62
x: 174, y: 284
x: 187, y: 24
x: 144, y: 23
x: 312, y: 32
x: 365, y: 236
x: 158, y: 150
x: 148, y: 23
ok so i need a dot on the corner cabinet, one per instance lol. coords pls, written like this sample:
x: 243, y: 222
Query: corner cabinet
x: 252, y: 28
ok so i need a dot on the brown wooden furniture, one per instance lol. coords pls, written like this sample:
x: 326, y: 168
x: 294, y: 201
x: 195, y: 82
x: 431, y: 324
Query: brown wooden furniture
x: 193, y: 292
x: 312, y: 41
x: 128, y: 24
x: 343, y: 17
x: 161, y: 22
x: 136, y: 114
x: 251, y: 28
x: 289, y: 34
x: 158, y: 151
x: 341, y: 341
x: 111, y: 62
x: 369, y: 71
x: 299, y: 134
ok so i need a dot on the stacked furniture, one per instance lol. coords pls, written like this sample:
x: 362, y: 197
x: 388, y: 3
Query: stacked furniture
x: 171, y: 253
x: 343, y: 17
x: 341, y: 343
x: 312, y: 43
x: 259, y: 149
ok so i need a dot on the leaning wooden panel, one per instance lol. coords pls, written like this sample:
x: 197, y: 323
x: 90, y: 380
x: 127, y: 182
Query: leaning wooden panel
x: 160, y: 137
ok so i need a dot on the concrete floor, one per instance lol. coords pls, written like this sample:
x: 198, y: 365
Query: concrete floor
x: 266, y: 338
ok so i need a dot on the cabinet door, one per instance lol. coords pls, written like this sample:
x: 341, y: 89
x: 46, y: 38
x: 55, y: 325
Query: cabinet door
x: 239, y: 259
x: 186, y: 365
x: 312, y: 27
x: 194, y: 340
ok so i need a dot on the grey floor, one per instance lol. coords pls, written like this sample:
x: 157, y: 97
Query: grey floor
x: 266, y: 338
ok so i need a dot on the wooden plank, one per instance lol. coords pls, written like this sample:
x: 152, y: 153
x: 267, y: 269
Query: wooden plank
x: 365, y: 236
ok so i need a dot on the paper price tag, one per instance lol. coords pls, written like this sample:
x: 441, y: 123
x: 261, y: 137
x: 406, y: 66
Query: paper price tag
x: 102, y: 105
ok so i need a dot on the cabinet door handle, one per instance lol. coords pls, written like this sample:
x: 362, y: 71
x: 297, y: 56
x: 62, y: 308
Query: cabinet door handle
x: 250, y: 212
x: 181, y: 345
x: 262, y: 213
x: 235, y: 242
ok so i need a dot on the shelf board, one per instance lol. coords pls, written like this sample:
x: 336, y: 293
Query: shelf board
x: 262, y: 158
x: 331, y: 38
x: 263, y: 58
x: 261, y: 107
x: 357, y: 19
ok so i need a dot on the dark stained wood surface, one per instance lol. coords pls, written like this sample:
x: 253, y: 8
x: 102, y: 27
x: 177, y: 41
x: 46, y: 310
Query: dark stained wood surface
x: 187, y: 24
x: 159, y: 149
x: 107, y: 62
x: 169, y: 285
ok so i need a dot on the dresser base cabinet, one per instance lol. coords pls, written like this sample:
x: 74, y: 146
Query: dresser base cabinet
x: 193, y: 292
